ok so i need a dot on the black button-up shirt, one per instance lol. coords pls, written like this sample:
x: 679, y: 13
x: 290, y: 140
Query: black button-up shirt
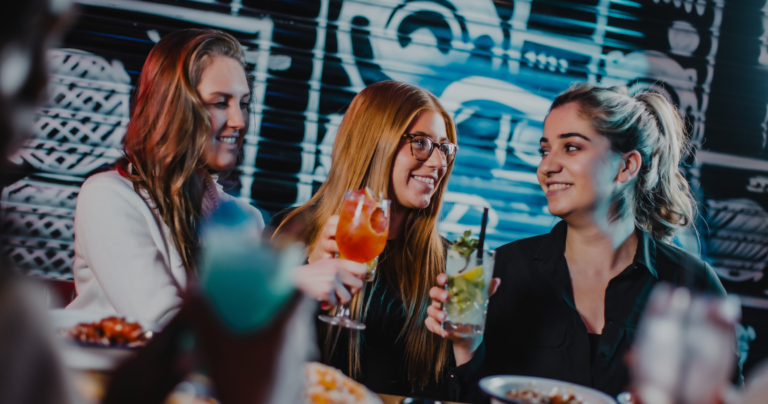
x: 534, y: 329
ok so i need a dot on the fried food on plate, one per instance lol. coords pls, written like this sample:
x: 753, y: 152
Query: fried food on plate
x: 327, y: 385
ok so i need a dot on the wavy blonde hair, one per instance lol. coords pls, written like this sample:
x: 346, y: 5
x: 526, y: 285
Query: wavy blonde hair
x: 363, y: 153
x: 168, y: 130
x: 661, y: 201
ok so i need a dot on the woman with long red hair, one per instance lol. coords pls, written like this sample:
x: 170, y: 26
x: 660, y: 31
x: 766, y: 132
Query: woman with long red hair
x: 398, y: 140
x: 136, y: 228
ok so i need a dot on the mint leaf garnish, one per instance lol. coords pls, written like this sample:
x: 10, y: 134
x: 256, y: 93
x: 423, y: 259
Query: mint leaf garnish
x: 466, y: 246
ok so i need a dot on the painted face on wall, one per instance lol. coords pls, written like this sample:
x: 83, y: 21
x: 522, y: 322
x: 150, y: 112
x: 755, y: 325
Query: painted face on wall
x: 413, y: 181
x: 224, y: 90
x: 578, y: 169
x: 431, y: 36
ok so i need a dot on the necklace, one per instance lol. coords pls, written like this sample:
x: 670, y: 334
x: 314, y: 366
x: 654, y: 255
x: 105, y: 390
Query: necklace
x: 212, y: 195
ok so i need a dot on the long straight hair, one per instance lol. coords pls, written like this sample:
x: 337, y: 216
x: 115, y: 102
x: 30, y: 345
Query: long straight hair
x: 363, y: 153
x: 168, y: 131
x: 660, y: 200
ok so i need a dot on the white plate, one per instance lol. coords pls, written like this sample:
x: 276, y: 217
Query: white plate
x: 498, y: 386
x: 80, y: 357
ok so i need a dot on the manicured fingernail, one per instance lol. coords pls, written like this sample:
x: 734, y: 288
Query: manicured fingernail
x: 445, y: 295
x: 442, y: 316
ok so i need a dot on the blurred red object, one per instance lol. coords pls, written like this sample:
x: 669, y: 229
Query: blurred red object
x: 57, y: 293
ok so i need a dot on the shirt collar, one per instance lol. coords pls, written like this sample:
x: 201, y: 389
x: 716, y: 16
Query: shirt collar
x: 553, y: 244
x: 553, y: 248
x: 646, y: 252
x: 553, y: 268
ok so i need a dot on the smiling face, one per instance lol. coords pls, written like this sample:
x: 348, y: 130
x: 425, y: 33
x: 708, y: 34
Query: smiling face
x: 224, y: 90
x: 578, y: 171
x: 413, y: 181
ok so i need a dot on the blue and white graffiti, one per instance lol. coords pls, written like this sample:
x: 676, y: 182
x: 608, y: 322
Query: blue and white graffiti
x: 495, y: 65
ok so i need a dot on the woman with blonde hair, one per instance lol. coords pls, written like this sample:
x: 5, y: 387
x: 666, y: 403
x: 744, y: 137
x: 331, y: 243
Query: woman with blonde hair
x: 136, y: 228
x: 397, y: 140
x: 569, y: 301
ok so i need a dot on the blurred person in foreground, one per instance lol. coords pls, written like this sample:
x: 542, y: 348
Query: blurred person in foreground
x: 569, y: 301
x: 398, y: 140
x: 30, y: 370
x: 137, y: 227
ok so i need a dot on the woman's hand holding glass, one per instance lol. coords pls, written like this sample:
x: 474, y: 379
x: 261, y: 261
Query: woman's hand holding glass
x: 326, y: 246
x: 464, y: 346
x: 330, y: 280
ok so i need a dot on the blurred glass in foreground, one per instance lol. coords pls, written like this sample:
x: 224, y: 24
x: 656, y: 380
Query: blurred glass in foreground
x: 248, y: 283
x: 685, y: 348
x: 247, y: 280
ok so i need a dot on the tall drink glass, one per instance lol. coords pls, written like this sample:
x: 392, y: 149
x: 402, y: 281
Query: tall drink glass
x: 469, y: 281
x: 361, y: 236
x: 683, y: 352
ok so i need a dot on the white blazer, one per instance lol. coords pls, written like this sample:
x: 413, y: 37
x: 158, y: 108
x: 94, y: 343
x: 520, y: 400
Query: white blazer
x: 125, y: 260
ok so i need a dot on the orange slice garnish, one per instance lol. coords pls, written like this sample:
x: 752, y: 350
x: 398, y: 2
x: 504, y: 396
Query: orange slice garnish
x: 379, y: 223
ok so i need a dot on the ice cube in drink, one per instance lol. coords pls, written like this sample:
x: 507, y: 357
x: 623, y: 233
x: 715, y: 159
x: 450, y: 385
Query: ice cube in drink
x: 469, y: 281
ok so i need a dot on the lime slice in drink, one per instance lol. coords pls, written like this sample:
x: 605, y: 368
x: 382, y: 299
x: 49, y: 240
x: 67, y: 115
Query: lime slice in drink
x: 473, y: 275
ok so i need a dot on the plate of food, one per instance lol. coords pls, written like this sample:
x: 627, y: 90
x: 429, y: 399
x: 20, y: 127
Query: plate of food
x: 96, y: 340
x: 537, y: 390
x: 327, y: 385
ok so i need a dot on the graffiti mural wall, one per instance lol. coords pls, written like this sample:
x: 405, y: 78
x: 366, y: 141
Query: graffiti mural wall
x: 495, y: 64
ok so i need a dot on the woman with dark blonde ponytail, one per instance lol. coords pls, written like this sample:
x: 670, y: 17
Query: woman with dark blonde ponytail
x: 569, y: 301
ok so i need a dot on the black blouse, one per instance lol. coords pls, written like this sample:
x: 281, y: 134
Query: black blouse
x: 534, y: 329
x: 382, y: 355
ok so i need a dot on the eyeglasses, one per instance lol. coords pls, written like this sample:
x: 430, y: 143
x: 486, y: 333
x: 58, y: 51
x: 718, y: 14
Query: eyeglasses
x: 423, y: 146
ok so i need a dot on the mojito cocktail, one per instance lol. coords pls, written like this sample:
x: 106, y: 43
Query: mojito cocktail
x: 469, y: 281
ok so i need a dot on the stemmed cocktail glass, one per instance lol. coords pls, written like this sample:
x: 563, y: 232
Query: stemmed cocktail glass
x: 361, y: 236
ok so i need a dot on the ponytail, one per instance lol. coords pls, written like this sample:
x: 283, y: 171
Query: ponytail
x: 660, y: 200
x: 663, y: 202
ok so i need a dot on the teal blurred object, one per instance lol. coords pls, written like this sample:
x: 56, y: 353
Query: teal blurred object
x: 246, y: 279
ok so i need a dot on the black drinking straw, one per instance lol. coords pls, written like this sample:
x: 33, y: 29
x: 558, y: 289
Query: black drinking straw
x: 482, y: 234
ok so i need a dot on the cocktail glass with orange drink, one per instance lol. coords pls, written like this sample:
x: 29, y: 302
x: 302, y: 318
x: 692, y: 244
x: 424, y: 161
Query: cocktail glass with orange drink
x: 361, y: 236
